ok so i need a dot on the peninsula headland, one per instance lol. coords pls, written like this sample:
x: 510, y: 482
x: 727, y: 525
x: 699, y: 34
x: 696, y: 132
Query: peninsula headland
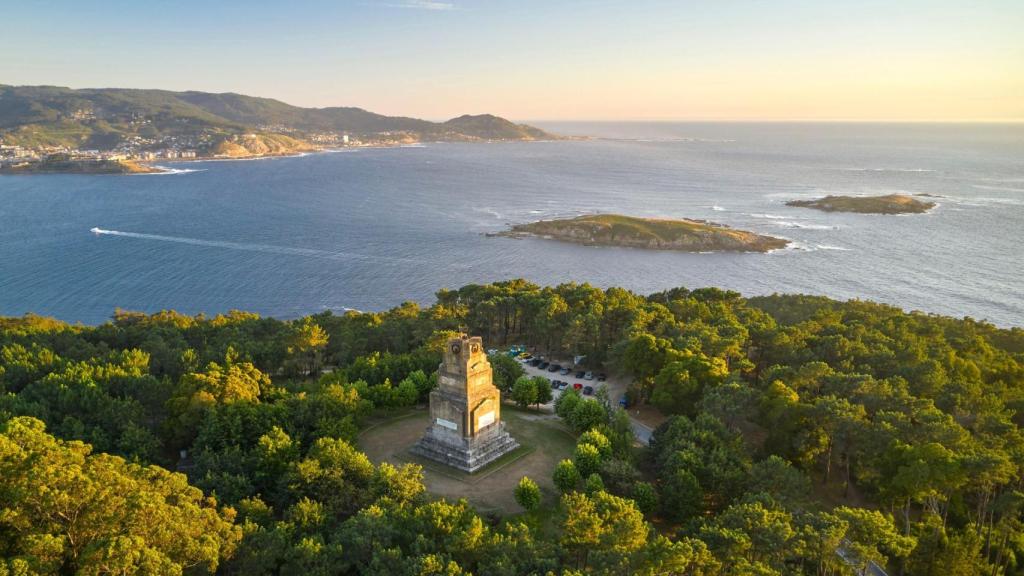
x: 65, y: 164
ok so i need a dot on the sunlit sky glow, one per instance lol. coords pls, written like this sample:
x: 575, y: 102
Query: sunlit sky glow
x: 548, y: 59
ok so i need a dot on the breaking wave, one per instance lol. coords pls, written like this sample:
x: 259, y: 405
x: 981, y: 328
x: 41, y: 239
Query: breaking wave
x: 803, y: 226
x: 167, y: 171
x: 488, y: 210
x: 795, y: 246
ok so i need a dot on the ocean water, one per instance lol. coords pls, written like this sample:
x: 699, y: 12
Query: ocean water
x: 370, y: 228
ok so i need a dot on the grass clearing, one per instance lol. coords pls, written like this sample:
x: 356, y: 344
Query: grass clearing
x: 544, y: 442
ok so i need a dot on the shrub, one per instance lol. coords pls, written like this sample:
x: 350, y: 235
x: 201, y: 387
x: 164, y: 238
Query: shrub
x: 528, y: 494
x: 566, y: 476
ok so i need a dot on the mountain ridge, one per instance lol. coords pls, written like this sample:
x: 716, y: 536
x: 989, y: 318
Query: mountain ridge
x: 103, y: 118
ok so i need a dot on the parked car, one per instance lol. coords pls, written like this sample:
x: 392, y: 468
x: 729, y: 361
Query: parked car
x: 526, y: 356
x: 563, y: 385
x: 588, y: 390
x: 588, y: 376
x: 535, y: 362
x: 544, y: 365
x: 602, y: 377
x: 577, y: 386
x: 554, y: 368
x: 623, y: 401
x: 564, y: 371
x: 580, y: 374
x: 555, y: 384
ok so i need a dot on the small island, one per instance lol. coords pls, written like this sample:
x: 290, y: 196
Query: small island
x: 650, y: 233
x: 888, y: 204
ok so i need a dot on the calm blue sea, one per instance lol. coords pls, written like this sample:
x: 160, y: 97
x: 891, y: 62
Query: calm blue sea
x: 368, y: 229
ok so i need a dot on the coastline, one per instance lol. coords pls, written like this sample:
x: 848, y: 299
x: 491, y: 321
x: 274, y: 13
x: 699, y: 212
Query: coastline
x: 330, y: 150
x: 157, y: 166
x: 84, y: 167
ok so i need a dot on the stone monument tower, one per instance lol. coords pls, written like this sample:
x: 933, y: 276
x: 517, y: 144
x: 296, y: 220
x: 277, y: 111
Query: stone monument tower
x: 465, y: 430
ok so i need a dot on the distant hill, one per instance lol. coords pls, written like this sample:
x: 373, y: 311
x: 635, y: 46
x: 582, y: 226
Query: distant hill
x: 105, y: 118
x: 489, y: 127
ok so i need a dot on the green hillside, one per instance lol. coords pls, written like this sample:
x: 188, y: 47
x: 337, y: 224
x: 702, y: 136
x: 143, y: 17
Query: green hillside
x: 255, y: 111
x: 487, y: 126
x: 102, y: 118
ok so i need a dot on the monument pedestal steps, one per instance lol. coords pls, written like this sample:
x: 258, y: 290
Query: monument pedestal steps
x: 467, y: 454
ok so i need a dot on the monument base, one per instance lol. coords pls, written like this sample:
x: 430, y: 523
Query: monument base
x: 467, y: 454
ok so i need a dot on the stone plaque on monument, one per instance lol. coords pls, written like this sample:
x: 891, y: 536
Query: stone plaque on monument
x: 466, y: 431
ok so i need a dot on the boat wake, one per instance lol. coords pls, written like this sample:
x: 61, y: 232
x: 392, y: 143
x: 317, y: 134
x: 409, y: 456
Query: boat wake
x: 265, y: 248
x: 998, y: 188
x: 985, y: 201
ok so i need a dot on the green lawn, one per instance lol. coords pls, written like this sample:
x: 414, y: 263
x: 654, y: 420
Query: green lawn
x: 544, y: 442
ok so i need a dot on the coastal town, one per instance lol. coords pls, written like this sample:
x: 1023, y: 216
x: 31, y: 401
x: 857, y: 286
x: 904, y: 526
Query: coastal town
x: 20, y: 154
x: 139, y: 149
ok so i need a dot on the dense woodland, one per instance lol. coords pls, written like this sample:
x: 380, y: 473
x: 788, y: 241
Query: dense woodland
x: 806, y: 436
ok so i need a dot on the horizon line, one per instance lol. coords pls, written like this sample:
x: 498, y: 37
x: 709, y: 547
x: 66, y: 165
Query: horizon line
x: 708, y: 119
x: 715, y: 120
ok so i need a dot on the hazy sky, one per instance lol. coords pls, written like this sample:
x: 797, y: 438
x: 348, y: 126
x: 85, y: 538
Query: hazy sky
x: 526, y: 59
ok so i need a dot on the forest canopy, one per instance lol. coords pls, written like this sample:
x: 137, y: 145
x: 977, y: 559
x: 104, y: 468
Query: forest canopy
x: 801, y: 435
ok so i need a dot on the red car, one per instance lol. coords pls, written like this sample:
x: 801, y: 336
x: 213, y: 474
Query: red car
x: 577, y: 386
